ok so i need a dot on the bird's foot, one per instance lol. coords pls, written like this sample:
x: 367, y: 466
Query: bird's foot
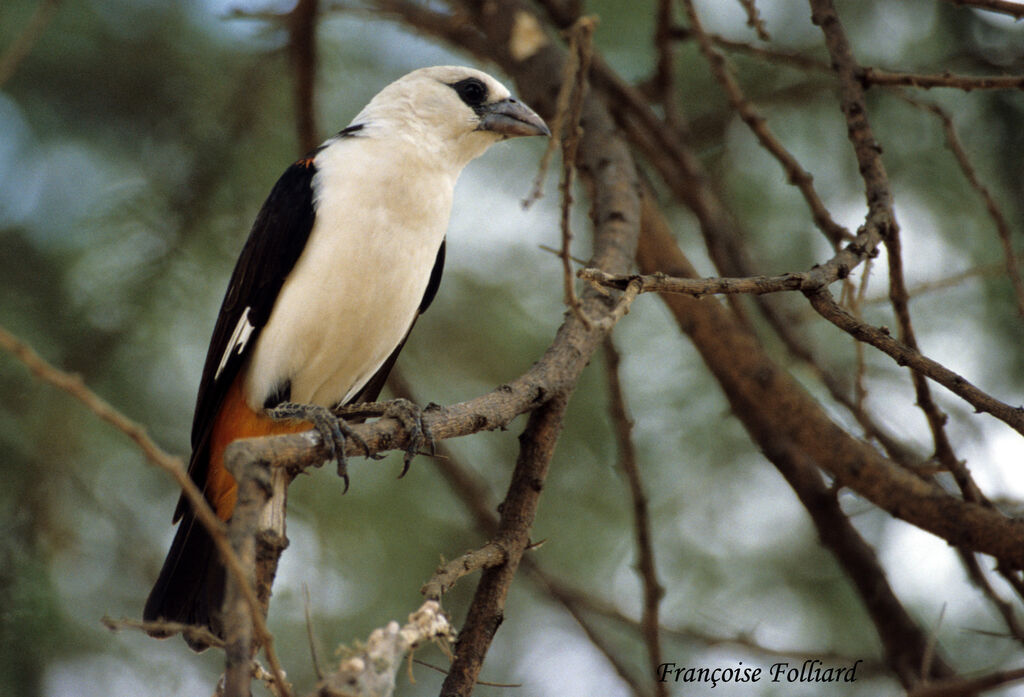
x: 333, y: 430
x: 403, y: 411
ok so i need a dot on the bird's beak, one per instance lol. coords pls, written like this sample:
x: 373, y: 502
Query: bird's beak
x: 511, y: 119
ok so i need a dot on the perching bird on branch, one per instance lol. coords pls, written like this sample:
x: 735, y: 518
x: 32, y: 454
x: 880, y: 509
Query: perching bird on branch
x: 345, y: 254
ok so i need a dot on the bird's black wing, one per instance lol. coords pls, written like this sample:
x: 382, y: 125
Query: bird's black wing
x: 190, y: 587
x: 275, y: 243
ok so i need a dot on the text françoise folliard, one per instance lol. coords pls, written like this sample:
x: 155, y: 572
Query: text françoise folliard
x: 811, y: 671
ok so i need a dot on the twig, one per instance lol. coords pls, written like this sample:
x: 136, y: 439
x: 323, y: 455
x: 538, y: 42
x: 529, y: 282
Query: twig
x: 959, y: 470
x: 577, y: 605
x: 854, y: 107
x: 791, y: 59
x: 994, y: 210
x: 551, y: 250
x: 904, y: 355
x: 812, y: 284
x: 857, y: 306
x: 928, y: 659
x: 1005, y: 608
x: 606, y: 167
x: 314, y: 652
x: 445, y: 576
x: 570, y: 82
x: 697, y: 287
x: 442, y: 671
x: 950, y: 281
x: 675, y: 161
x: 266, y: 677
x: 76, y: 387
x: 22, y: 45
x: 878, y: 77
x: 754, y: 20
x: 577, y: 67
x: 584, y: 603
x: 653, y: 591
x: 620, y: 309
x: 201, y: 634
x: 880, y: 205
x: 796, y: 435
x: 242, y: 639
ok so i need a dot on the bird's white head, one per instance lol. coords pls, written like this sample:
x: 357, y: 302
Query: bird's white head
x: 451, y: 112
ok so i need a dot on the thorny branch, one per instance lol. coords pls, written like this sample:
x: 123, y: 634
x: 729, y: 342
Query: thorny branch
x: 880, y: 205
x: 873, y: 172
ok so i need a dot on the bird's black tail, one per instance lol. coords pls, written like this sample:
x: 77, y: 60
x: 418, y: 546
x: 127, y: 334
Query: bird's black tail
x: 190, y: 588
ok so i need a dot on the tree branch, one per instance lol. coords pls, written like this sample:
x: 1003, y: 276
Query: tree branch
x: 517, y: 513
x: 777, y: 412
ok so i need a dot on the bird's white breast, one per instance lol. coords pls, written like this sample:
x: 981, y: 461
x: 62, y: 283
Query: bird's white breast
x: 357, y: 286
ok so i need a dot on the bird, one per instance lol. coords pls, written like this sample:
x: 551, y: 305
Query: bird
x: 344, y: 255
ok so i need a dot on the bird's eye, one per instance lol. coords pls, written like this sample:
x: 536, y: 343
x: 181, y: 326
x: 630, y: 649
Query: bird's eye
x: 471, y: 91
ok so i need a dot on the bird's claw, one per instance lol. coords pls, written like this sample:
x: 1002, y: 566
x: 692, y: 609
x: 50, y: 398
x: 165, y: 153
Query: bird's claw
x: 411, y: 417
x: 406, y: 413
x: 332, y: 429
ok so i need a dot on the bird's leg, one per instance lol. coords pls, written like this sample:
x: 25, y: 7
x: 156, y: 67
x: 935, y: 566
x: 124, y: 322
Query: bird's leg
x: 403, y: 411
x: 332, y: 430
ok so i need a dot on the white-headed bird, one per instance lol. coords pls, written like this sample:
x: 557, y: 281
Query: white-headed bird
x: 345, y: 254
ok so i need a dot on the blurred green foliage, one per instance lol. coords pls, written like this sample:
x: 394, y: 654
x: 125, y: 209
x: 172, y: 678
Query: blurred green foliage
x: 137, y: 141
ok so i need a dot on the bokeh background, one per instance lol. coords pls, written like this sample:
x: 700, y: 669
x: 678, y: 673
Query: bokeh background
x: 137, y: 141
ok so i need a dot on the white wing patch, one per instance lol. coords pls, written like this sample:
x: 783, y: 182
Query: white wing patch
x: 239, y: 338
